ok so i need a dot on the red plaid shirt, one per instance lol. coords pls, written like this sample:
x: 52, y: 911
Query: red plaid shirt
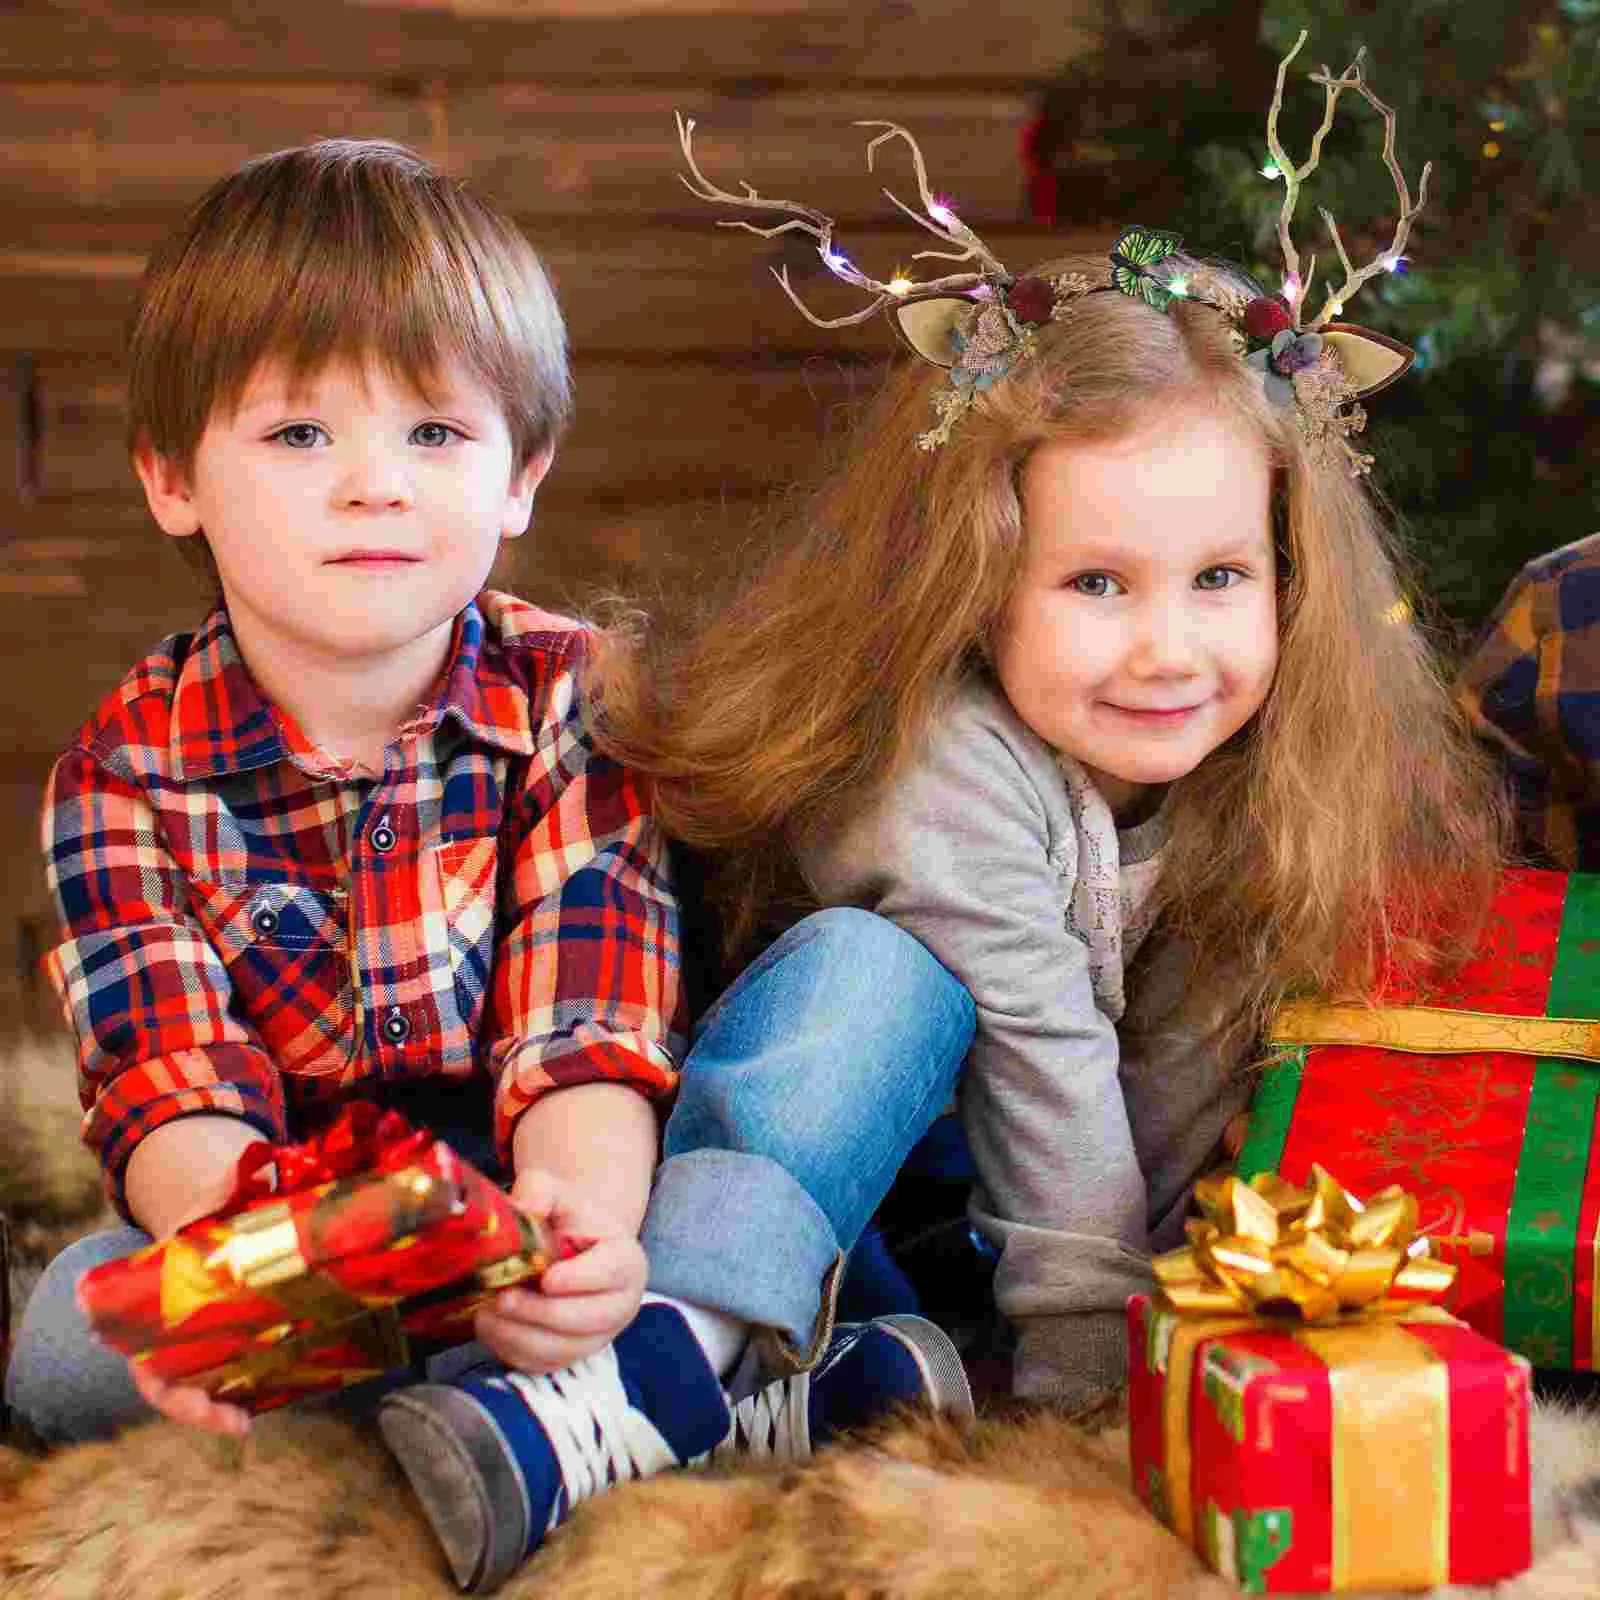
x: 251, y: 929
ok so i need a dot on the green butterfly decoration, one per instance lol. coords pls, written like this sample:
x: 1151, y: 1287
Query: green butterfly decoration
x: 1137, y: 250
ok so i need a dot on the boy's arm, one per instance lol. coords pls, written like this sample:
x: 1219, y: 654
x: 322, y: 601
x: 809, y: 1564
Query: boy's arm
x: 586, y: 986
x: 598, y: 1140
x: 183, y: 1171
x: 159, y: 1045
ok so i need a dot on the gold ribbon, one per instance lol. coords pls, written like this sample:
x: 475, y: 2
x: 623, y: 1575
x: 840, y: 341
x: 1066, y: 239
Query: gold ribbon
x: 1390, y: 1456
x: 1341, y: 1278
x: 1268, y: 1246
x: 1434, y: 1030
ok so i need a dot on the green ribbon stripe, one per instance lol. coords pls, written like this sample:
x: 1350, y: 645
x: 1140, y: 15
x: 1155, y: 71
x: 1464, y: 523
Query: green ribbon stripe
x: 1542, y: 1229
x: 1271, y: 1112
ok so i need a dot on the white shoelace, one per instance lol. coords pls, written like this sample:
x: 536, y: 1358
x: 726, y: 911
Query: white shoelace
x: 772, y: 1424
x: 599, y: 1438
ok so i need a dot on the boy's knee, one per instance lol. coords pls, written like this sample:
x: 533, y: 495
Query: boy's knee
x: 60, y: 1379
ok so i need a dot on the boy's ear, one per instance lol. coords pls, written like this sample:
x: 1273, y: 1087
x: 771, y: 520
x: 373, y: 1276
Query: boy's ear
x: 168, y: 491
x: 519, y: 498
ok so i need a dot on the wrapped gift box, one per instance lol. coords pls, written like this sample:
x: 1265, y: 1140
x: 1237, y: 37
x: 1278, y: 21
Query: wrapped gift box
x: 1388, y: 1453
x: 329, y: 1258
x: 1479, y: 1096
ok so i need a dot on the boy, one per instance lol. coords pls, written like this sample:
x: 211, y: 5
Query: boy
x: 353, y: 838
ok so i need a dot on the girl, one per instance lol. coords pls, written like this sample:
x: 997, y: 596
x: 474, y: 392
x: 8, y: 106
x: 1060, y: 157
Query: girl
x: 1090, y: 668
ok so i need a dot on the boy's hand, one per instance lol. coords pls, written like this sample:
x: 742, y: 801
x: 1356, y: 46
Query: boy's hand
x: 180, y: 1402
x: 582, y: 1303
x: 181, y: 1172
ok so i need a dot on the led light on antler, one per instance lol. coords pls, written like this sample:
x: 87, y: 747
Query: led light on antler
x: 1394, y: 262
x: 1271, y: 170
x: 1178, y: 286
x: 1291, y: 288
x: 941, y: 213
x: 900, y: 284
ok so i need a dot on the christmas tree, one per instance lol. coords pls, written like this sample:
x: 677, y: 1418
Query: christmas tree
x: 1490, y: 452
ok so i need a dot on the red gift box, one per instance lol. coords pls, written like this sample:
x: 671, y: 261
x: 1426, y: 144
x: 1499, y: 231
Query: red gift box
x: 1480, y: 1096
x: 328, y: 1258
x: 1390, y: 1451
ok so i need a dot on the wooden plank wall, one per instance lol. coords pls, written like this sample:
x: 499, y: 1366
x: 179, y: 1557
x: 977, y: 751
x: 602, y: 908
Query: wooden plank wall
x: 699, y: 387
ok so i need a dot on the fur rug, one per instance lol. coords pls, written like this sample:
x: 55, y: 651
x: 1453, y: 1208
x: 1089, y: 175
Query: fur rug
x: 311, y: 1507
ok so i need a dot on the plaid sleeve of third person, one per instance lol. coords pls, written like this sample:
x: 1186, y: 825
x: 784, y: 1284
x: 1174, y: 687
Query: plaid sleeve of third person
x: 1531, y: 687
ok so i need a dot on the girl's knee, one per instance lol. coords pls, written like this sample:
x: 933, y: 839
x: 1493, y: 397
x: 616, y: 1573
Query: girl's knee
x: 895, y: 969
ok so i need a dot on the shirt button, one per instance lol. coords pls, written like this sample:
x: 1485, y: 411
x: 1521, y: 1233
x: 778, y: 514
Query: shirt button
x: 395, y: 1027
x: 383, y: 837
x: 265, y: 920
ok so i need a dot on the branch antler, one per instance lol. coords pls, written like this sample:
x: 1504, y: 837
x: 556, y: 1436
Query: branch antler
x: 939, y: 220
x: 820, y: 227
x: 1353, y: 77
x: 1387, y: 259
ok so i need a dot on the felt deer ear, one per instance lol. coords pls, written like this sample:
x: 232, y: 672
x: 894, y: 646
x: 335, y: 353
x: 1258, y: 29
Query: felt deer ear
x: 927, y: 324
x: 1371, y: 362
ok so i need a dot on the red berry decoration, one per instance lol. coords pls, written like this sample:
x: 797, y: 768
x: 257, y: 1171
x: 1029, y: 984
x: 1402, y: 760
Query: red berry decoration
x: 1031, y: 299
x: 1265, y: 317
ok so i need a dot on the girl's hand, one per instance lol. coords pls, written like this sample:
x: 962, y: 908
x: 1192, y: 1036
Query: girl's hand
x: 183, y: 1402
x: 1234, y: 1135
x: 581, y: 1304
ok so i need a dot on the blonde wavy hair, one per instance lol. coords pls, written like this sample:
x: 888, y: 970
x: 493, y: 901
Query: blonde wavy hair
x: 1353, y: 823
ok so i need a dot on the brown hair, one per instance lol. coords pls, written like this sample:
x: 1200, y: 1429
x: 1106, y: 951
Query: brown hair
x: 342, y: 250
x: 1306, y: 853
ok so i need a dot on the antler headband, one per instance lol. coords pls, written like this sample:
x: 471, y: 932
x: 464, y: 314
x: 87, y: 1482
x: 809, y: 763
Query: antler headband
x: 979, y: 323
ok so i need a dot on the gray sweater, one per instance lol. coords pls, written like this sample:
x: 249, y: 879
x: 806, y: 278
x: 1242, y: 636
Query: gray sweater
x: 1089, y: 1116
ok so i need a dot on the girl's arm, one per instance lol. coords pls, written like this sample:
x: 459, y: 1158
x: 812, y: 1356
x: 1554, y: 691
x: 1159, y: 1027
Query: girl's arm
x: 973, y: 851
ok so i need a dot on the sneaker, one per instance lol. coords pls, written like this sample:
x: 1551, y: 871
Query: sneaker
x: 867, y: 1370
x: 498, y: 1461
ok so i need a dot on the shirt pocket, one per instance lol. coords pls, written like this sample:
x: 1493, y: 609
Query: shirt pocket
x: 461, y: 883
x: 286, y: 950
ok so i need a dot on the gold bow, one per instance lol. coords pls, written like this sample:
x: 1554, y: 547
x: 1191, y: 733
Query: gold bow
x: 1268, y: 1247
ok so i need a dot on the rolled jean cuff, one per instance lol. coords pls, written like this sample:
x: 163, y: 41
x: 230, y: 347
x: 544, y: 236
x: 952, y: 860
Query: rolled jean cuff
x: 736, y: 1233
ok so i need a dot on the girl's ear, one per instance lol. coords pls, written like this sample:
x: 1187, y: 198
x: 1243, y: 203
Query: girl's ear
x: 927, y: 325
x: 1370, y: 360
x: 168, y: 490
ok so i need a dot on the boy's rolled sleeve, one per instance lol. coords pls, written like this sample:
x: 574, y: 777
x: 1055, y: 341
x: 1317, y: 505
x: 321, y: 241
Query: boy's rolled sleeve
x: 587, y: 981
x: 146, y: 994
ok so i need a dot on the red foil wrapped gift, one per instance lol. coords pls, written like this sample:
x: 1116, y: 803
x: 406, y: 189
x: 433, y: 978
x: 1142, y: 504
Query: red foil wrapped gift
x: 1301, y: 1415
x: 1481, y: 1095
x: 328, y: 1258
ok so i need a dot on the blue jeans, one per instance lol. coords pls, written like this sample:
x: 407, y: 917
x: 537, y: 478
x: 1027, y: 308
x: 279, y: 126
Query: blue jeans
x: 808, y: 1084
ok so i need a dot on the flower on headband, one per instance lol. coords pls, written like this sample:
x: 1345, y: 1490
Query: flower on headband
x: 1289, y: 353
x: 1032, y: 299
x: 1266, y: 316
